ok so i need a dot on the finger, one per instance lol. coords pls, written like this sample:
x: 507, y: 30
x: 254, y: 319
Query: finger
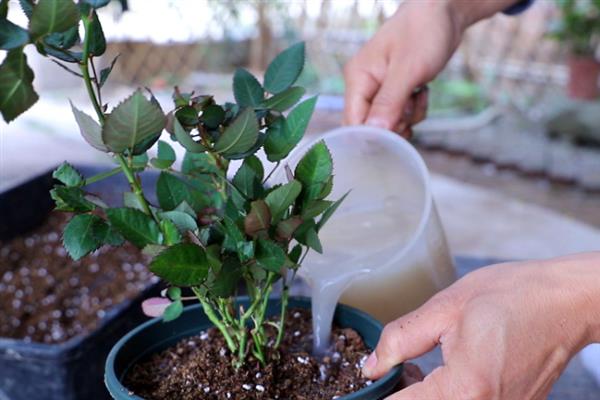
x: 409, y: 336
x: 420, y: 111
x: 435, y: 386
x: 387, y: 107
x: 361, y: 86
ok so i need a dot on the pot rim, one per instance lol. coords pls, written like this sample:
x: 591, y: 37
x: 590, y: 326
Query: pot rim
x: 113, y: 383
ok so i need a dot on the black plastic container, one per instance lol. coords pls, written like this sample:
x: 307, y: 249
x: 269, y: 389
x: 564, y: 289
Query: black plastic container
x: 155, y: 336
x: 71, y: 370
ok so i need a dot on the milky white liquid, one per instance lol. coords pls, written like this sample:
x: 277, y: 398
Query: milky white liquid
x: 371, y: 258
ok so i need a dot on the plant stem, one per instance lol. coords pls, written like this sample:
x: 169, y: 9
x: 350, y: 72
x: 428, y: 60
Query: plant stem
x: 284, y: 303
x: 101, y: 176
x: 210, y: 313
x: 135, y: 186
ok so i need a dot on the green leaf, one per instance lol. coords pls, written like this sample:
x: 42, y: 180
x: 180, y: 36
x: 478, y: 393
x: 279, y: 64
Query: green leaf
x: 258, y: 219
x: 280, y: 199
x: 307, y: 235
x: 248, y: 178
x: 174, y: 293
x: 283, y: 71
x: 105, y: 72
x: 16, y: 85
x: 139, y: 161
x: 89, y: 129
x: 284, y: 134
x: 212, y: 116
x: 50, y: 16
x: 187, y: 116
x: 240, y: 135
x: 315, y: 208
x: 298, y: 119
x: 173, y: 311
x: 314, y: 171
x: 284, y: 100
x: 106, y: 234
x: 97, y: 41
x: 135, y: 121
x: 27, y: 7
x: 235, y: 240
x: 186, y: 140
x: 79, y: 237
x: 183, y: 221
x: 286, y: 228
x: 71, y: 199
x: 330, y: 211
x: 269, y: 255
x: 227, y: 278
x: 246, y: 89
x: 186, y: 208
x: 62, y: 40
x: 295, y: 254
x: 97, y: 3
x: 153, y: 250
x: 165, y: 157
x: 130, y: 200
x: 172, y: 191
x: 199, y: 164
x: 11, y: 35
x: 68, y: 175
x: 3, y: 8
x: 170, y: 231
x: 137, y: 227
x: 312, y: 240
x: 183, y: 264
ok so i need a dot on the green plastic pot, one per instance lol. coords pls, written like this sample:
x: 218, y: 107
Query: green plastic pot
x: 155, y: 336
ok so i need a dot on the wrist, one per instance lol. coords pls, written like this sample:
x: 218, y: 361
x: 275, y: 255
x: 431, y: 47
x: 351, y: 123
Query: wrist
x: 467, y: 12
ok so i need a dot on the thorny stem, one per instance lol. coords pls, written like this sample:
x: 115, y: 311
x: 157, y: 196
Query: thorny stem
x: 210, y: 313
x: 84, y: 66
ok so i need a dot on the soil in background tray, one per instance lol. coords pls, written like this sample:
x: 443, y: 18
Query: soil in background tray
x: 199, y: 367
x: 47, y: 297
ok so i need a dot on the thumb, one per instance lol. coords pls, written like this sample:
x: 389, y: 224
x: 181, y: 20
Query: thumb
x: 387, y: 107
x: 408, y: 337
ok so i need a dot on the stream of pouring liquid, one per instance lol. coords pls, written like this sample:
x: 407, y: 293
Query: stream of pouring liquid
x: 355, y: 243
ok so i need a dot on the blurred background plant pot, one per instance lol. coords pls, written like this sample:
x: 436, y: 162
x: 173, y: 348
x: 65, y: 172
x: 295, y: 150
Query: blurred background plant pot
x: 69, y: 369
x: 583, y: 77
x: 155, y: 336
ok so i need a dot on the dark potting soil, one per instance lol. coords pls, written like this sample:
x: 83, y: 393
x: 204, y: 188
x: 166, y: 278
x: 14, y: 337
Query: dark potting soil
x: 200, y: 367
x: 47, y: 297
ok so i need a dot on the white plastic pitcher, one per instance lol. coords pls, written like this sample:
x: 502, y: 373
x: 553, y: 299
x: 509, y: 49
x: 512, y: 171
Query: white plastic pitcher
x: 385, y: 248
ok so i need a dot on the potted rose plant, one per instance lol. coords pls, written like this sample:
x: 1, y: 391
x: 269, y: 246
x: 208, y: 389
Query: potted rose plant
x: 211, y: 231
x: 578, y: 28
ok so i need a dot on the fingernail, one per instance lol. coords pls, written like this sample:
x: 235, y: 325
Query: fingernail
x: 377, y: 122
x: 370, y: 365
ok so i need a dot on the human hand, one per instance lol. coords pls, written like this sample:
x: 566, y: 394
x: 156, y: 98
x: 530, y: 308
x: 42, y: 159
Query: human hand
x: 409, y: 50
x: 506, y: 331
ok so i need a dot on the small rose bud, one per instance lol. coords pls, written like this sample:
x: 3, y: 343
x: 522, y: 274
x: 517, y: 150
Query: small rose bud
x: 155, y: 306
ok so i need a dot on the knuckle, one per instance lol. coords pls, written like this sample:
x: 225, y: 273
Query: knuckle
x: 386, y: 99
x: 391, y: 339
